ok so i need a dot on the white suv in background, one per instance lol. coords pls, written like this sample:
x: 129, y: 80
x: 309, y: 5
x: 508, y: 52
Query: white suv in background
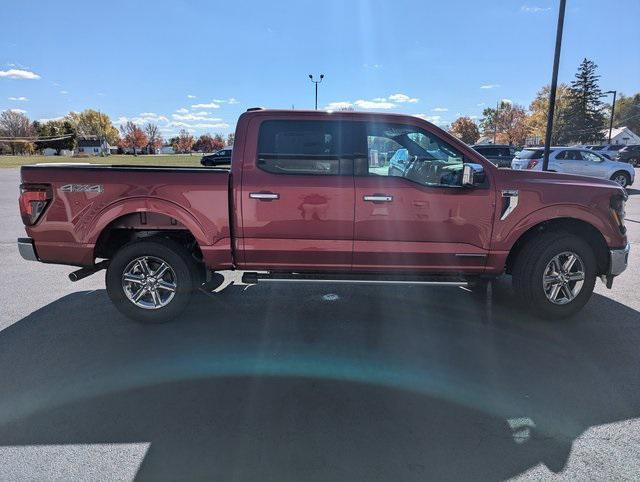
x: 571, y: 160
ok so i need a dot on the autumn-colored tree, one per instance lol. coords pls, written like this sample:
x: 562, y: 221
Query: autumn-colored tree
x: 539, y: 109
x: 91, y: 123
x: 627, y: 112
x: 508, y: 123
x: 218, y: 142
x: 204, y: 143
x: 132, y: 137
x: 465, y: 129
x: 154, y: 139
x: 184, y: 142
x: 16, y: 131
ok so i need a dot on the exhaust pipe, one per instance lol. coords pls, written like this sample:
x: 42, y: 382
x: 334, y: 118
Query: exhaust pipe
x: 88, y: 270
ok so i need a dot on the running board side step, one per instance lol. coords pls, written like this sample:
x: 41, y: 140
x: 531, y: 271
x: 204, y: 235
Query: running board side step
x: 254, y: 278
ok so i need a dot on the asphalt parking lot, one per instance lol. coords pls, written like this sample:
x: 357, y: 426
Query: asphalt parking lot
x: 313, y: 383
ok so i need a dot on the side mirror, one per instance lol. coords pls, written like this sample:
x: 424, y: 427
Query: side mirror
x: 472, y: 175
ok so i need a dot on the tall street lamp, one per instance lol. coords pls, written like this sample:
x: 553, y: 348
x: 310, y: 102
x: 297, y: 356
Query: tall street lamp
x: 316, y: 82
x: 554, y: 85
x: 613, y: 108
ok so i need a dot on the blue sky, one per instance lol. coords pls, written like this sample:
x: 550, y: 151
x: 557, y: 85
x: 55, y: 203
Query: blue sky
x: 199, y: 64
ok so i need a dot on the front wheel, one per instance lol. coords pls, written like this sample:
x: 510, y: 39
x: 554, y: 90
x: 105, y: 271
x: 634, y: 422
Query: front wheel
x: 151, y: 281
x: 621, y: 178
x: 554, y: 275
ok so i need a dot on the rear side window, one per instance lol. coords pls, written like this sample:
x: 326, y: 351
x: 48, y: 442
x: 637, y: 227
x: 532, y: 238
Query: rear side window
x: 530, y: 154
x: 487, y: 151
x: 318, y: 148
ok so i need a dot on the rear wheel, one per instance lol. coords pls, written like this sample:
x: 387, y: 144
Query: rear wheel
x: 622, y: 178
x: 554, y: 275
x: 151, y: 281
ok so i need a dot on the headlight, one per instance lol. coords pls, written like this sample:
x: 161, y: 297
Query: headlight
x: 617, y: 205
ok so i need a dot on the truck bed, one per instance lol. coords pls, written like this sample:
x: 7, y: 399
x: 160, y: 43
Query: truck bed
x: 87, y: 198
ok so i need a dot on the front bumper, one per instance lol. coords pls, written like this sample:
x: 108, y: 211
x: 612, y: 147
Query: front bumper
x: 27, y: 249
x: 618, y: 260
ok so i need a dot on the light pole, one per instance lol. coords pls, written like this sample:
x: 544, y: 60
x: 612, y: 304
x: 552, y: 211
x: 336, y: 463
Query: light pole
x: 495, y: 122
x: 554, y: 86
x: 613, y: 109
x: 316, y: 82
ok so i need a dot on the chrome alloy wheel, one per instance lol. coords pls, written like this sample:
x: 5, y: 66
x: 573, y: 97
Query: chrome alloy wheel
x: 563, y: 278
x: 621, y: 179
x: 149, y: 282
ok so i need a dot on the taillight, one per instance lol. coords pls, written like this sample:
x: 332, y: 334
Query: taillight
x: 34, y: 199
x: 532, y: 163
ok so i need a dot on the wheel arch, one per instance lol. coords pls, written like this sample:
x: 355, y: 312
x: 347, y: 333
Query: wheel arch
x: 567, y: 225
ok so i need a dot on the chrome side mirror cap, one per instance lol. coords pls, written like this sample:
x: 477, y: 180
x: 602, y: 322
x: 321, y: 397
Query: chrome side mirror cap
x: 472, y: 175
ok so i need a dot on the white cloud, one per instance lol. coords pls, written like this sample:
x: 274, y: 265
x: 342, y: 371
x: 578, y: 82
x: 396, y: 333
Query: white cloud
x: 19, y: 99
x: 439, y: 109
x: 148, y: 114
x: 101, y: 94
x: 489, y: 86
x: 194, y: 117
x: 434, y: 119
x: 43, y: 121
x: 191, y: 96
x: 232, y: 100
x: 379, y: 99
x: 372, y: 66
x: 534, y: 9
x: 506, y: 101
x: 182, y: 110
x: 218, y: 125
x: 401, y: 98
x: 64, y: 92
x: 19, y: 74
x: 371, y: 104
x: 142, y: 118
x: 338, y: 105
x: 211, y: 105
x: 18, y: 111
x: 480, y: 104
x: 473, y: 117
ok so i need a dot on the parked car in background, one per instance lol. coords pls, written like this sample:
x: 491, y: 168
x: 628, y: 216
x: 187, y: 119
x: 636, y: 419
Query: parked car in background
x: 499, y: 154
x: 571, y: 160
x: 630, y: 154
x: 219, y: 158
x: 609, y: 151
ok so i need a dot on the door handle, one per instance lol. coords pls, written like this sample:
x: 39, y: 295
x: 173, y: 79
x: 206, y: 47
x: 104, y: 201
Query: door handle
x: 378, y: 198
x: 264, y: 196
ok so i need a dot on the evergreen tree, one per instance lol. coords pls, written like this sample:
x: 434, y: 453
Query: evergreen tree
x: 584, y: 119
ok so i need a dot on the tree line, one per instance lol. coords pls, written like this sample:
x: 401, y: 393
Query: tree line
x: 580, y: 117
x: 19, y: 135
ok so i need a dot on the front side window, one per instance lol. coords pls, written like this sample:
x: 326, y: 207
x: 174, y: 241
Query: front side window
x: 311, y: 147
x: 411, y: 153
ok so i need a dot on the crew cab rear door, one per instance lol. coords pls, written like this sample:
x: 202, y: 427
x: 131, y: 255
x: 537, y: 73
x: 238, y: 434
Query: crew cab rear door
x: 298, y: 194
x: 419, y: 218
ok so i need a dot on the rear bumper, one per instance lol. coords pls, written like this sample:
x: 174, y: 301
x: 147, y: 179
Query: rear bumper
x: 27, y: 249
x: 618, y: 260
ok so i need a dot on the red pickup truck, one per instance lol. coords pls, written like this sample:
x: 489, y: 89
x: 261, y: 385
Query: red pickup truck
x: 320, y: 196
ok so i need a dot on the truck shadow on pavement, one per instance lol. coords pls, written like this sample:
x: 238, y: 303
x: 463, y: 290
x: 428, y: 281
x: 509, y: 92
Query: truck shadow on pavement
x: 321, y: 383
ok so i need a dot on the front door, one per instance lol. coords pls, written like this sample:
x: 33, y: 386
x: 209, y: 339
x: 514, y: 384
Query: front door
x: 298, y: 195
x: 416, y: 216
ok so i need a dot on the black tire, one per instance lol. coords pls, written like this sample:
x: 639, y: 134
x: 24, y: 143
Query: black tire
x: 185, y: 270
x: 622, y: 174
x: 531, y: 263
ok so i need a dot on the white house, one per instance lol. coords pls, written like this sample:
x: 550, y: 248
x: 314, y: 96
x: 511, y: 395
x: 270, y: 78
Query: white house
x: 92, y: 147
x: 167, y: 150
x: 622, y: 136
